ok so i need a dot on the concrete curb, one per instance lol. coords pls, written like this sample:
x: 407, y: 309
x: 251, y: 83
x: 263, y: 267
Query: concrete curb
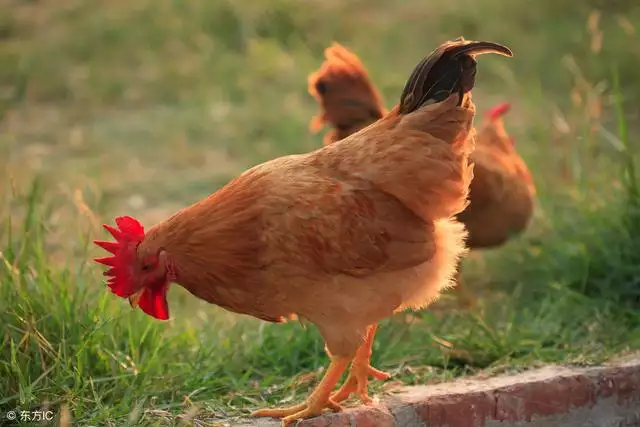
x: 554, y: 396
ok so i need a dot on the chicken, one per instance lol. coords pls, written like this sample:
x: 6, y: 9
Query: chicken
x: 349, y: 100
x: 341, y: 237
x: 502, y: 192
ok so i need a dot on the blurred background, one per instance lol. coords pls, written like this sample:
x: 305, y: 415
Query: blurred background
x: 142, y: 107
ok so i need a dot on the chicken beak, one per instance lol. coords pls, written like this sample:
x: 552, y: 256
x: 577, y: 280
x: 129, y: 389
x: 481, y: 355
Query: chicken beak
x: 135, y: 298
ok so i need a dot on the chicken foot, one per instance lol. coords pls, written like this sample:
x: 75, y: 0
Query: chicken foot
x: 319, y: 400
x: 361, y: 369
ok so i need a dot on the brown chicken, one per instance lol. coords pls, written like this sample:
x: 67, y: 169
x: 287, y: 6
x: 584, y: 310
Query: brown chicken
x: 502, y: 192
x: 349, y: 100
x: 341, y: 237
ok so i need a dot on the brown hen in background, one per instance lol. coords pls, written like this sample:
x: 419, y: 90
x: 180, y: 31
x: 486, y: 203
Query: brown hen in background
x: 342, y: 237
x: 502, y: 192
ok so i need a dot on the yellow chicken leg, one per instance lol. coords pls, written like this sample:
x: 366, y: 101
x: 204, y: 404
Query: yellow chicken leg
x: 317, y: 401
x: 358, y: 379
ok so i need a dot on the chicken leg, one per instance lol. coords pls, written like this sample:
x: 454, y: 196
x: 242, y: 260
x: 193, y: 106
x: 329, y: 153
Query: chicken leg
x: 358, y: 379
x: 317, y: 401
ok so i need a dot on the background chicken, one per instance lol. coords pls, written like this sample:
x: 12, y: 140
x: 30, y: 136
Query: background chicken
x: 343, y: 236
x: 350, y: 101
x: 502, y: 191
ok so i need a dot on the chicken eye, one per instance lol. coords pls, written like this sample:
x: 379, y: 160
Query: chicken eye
x: 147, y: 264
x: 321, y: 87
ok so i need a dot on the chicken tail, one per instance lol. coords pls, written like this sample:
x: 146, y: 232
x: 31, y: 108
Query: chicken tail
x: 347, y: 98
x: 449, y: 69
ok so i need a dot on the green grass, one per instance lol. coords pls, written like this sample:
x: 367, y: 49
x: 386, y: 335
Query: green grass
x: 140, y: 108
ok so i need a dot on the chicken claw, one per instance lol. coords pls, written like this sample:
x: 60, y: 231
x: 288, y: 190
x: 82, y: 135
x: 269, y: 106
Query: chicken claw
x: 358, y: 379
x: 311, y: 408
x: 316, y: 403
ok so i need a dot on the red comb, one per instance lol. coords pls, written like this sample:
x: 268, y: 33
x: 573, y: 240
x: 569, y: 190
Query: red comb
x: 498, y: 111
x: 128, y: 235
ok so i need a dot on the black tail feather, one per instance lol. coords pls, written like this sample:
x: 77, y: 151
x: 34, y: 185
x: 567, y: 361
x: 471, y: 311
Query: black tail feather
x: 451, y: 68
